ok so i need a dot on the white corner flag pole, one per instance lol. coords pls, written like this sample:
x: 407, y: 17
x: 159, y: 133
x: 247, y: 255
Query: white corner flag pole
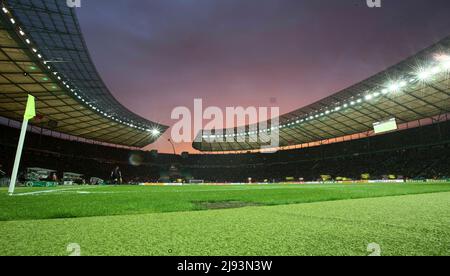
x: 15, y: 171
x: 29, y: 114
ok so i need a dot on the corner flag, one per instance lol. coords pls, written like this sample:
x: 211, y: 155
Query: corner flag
x: 30, y: 113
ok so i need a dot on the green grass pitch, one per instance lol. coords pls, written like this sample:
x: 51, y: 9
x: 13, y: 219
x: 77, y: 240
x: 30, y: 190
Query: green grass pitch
x: 402, y: 219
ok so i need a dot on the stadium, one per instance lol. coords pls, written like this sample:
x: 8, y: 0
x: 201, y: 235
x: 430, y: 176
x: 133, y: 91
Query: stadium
x: 363, y: 171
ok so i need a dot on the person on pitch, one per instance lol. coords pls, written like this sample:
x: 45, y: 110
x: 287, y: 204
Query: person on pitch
x: 116, y: 176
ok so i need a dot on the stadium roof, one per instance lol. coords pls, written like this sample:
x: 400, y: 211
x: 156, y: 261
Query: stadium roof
x: 416, y: 88
x: 43, y: 53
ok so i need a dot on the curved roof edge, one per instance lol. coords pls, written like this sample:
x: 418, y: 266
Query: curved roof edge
x: 47, y: 35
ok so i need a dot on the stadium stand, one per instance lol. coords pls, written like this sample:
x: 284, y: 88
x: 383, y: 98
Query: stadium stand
x: 43, y: 53
x: 414, y: 89
x: 417, y: 153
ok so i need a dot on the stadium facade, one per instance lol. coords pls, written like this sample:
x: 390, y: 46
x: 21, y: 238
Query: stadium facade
x: 43, y: 53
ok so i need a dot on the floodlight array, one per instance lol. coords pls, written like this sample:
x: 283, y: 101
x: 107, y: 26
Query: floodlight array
x: 441, y: 65
x: 64, y: 82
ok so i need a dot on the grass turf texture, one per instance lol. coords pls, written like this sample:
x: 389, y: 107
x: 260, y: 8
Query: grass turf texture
x: 341, y: 220
x: 106, y: 201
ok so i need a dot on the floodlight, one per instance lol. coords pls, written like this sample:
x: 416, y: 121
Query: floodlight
x: 435, y: 70
x: 446, y: 64
x: 394, y: 87
x: 424, y: 75
x: 155, y: 132
x: 442, y: 57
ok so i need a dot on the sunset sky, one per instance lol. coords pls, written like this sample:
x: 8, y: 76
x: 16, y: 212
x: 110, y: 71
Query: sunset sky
x: 155, y: 55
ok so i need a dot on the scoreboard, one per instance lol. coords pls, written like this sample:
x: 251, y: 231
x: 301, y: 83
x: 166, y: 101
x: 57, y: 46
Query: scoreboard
x: 385, y: 126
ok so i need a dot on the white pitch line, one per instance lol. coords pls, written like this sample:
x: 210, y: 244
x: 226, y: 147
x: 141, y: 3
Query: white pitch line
x: 51, y: 191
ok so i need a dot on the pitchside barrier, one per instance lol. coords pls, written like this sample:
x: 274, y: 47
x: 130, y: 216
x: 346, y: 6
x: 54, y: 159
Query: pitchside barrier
x: 41, y: 184
x: 437, y: 181
x: 388, y: 181
x: 161, y: 184
x: 304, y: 183
x: 196, y: 181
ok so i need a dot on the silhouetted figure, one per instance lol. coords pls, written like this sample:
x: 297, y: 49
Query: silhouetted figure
x: 116, y: 176
x: 53, y: 177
